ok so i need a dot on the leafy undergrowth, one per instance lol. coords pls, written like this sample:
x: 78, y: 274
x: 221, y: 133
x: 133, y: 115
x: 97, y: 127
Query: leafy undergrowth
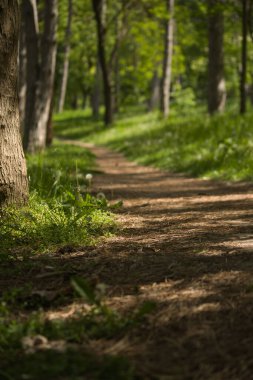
x: 33, y: 346
x: 61, y: 210
x: 188, y: 142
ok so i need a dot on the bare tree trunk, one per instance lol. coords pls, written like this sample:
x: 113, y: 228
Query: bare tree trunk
x: 243, y: 90
x: 49, y: 136
x: 216, y: 80
x: 167, y: 61
x: 155, y: 92
x: 66, y: 58
x: 13, y: 178
x: 95, y: 96
x: 30, y: 16
x: 108, y: 99
x: 41, y: 62
x: 48, y: 63
x: 116, y: 95
x: 22, y: 76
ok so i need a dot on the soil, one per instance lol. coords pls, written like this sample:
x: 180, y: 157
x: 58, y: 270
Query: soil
x: 186, y: 244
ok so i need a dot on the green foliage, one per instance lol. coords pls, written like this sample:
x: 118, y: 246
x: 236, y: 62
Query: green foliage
x: 60, y: 210
x: 59, y: 169
x: 189, y: 142
x: 43, y: 226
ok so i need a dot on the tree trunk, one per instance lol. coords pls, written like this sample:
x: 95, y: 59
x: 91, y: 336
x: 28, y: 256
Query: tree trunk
x: 48, y: 63
x: 243, y: 90
x: 13, y: 178
x: 22, y: 76
x: 116, y: 64
x: 216, y: 80
x: 167, y: 61
x: 30, y: 17
x: 155, y: 92
x: 40, y: 72
x: 95, y: 96
x: 49, y: 136
x: 65, y: 72
x: 108, y: 99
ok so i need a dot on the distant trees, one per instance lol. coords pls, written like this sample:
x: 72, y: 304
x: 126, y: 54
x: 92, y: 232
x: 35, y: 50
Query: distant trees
x: 216, y: 79
x: 129, y: 52
x: 13, y: 178
x: 40, y: 71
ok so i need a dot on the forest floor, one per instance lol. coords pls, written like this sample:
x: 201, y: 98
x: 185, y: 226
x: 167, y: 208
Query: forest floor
x: 186, y: 244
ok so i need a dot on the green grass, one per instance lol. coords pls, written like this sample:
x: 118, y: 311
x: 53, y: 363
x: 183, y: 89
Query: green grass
x: 60, y: 211
x: 192, y: 143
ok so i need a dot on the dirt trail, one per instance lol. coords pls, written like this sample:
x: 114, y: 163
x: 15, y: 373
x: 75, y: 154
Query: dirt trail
x: 188, y: 245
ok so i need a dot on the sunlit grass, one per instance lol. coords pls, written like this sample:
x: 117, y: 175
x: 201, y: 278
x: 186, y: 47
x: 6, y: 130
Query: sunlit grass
x: 60, y: 210
x: 191, y: 143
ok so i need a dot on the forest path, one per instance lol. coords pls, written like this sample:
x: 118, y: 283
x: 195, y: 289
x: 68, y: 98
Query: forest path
x: 187, y: 244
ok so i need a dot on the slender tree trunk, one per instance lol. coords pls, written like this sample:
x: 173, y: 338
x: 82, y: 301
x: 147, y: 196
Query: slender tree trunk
x: 13, y: 178
x: 95, y: 96
x: 167, y: 61
x: 65, y: 72
x: 155, y: 95
x: 22, y: 75
x: 49, y: 137
x: 40, y: 72
x: 243, y: 90
x: 216, y: 80
x: 108, y: 99
x: 48, y: 63
x: 116, y: 95
x: 30, y: 17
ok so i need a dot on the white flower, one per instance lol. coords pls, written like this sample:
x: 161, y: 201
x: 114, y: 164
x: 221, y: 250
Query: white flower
x: 89, y: 177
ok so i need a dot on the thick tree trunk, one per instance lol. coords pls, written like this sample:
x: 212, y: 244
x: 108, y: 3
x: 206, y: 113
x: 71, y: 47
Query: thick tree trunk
x: 167, y: 61
x: 108, y: 99
x: 243, y: 90
x: 13, y: 178
x: 41, y: 62
x: 155, y: 93
x: 65, y: 72
x: 216, y: 80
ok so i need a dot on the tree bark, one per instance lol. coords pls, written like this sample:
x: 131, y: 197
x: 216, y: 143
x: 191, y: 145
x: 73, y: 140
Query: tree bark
x: 22, y: 75
x: 108, y: 98
x: 243, y: 90
x: 30, y: 17
x: 65, y: 72
x: 95, y: 96
x: 155, y: 94
x: 167, y: 60
x: 41, y: 60
x: 13, y: 178
x: 216, y: 80
x: 48, y: 63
